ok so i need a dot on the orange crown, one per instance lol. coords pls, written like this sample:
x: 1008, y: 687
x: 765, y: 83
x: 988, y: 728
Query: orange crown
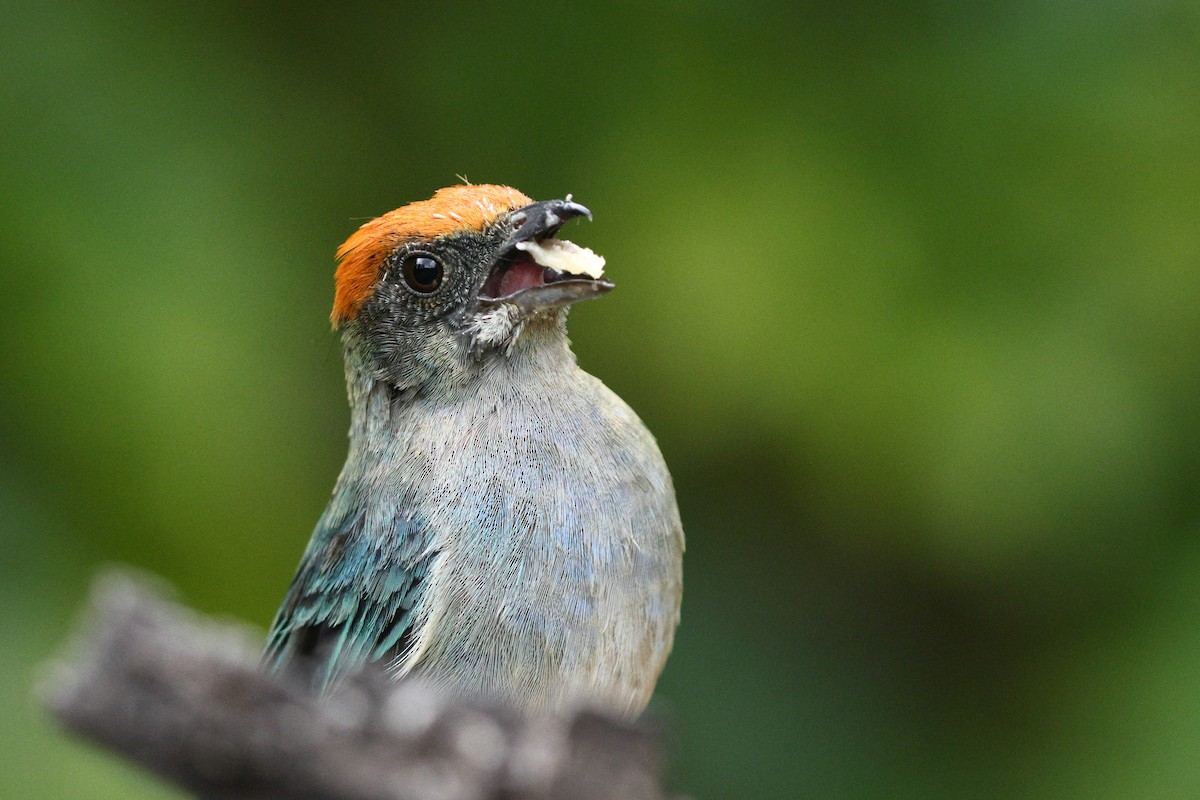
x: 455, y: 208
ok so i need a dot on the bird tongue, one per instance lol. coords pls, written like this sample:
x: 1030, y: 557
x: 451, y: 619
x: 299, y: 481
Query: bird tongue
x: 520, y: 276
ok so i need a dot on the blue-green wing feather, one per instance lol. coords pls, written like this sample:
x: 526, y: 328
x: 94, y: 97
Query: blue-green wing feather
x: 356, y: 597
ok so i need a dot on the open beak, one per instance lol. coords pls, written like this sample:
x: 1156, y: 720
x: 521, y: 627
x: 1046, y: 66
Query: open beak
x: 534, y: 271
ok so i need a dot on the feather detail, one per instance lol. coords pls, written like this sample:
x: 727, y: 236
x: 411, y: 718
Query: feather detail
x: 356, y: 599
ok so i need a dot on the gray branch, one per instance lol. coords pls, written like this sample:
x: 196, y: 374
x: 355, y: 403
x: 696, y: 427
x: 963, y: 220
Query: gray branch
x: 183, y: 696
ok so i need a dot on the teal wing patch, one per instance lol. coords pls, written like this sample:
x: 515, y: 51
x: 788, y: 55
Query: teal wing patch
x: 356, y: 597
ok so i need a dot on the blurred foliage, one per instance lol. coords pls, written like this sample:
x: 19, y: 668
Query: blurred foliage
x: 909, y: 293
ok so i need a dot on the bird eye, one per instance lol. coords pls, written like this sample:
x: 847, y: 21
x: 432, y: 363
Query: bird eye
x: 422, y: 273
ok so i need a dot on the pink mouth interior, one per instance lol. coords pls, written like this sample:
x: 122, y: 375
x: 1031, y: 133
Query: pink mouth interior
x: 520, y: 275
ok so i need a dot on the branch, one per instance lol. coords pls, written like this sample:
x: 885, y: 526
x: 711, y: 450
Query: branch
x: 183, y: 696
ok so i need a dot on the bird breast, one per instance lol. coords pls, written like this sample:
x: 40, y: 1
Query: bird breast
x: 557, y: 574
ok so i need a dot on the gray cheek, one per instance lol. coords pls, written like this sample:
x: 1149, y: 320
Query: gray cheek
x: 408, y: 357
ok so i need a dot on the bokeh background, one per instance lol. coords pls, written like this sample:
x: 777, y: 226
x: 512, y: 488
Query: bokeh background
x: 909, y: 292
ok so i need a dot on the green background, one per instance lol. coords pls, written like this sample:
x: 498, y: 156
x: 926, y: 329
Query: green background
x: 909, y: 293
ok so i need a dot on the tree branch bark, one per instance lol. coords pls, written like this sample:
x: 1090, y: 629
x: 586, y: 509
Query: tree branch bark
x: 182, y: 695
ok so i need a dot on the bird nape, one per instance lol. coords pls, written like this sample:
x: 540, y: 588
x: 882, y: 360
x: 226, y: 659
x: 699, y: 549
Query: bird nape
x: 504, y: 526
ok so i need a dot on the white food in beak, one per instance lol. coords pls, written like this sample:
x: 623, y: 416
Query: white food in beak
x: 564, y: 256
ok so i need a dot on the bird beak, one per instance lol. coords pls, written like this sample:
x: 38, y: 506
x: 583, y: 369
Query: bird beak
x: 534, y: 271
x: 542, y: 220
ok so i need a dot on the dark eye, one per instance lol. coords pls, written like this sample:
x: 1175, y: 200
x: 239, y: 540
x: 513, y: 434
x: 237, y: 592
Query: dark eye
x: 422, y: 273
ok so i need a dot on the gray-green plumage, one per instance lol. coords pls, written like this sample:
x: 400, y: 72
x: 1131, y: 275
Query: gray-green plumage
x: 504, y: 525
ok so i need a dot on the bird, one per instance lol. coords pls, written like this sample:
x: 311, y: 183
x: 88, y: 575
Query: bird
x: 504, y: 526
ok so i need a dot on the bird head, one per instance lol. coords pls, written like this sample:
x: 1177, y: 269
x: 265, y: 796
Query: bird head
x: 470, y: 274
